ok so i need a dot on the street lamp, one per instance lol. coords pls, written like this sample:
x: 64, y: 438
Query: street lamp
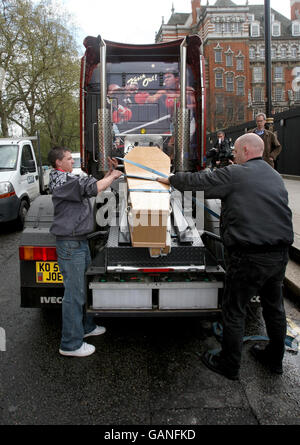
x: 268, y: 61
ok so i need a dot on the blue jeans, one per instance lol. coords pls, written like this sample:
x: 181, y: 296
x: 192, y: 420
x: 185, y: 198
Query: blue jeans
x: 248, y: 275
x: 73, y: 258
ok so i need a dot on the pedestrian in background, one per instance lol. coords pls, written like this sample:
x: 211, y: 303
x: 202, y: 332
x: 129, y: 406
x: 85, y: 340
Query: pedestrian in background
x: 221, y: 154
x: 256, y: 229
x: 272, y: 147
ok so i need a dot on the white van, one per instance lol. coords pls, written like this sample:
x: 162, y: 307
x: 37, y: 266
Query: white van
x: 19, y: 179
x: 77, y: 165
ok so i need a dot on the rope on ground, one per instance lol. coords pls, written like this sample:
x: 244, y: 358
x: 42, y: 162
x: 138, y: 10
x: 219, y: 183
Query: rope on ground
x: 291, y: 341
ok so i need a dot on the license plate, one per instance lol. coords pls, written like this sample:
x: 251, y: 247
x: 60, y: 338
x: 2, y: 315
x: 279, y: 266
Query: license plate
x: 48, y: 272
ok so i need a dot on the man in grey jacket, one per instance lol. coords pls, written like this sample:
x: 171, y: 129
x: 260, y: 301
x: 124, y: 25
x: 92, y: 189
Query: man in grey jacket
x: 73, y: 221
x: 256, y: 229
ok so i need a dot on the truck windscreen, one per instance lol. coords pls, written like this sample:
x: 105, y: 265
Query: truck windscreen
x: 145, y: 94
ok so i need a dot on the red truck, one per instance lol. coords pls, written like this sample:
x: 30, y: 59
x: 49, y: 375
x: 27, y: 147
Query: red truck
x: 131, y: 96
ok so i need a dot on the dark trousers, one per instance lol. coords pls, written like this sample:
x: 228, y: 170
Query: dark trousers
x: 247, y: 275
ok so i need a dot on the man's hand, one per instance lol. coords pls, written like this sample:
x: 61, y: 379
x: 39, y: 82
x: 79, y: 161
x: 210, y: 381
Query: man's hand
x: 112, y: 164
x: 110, y: 175
x: 115, y: 174
x: 163, y: 180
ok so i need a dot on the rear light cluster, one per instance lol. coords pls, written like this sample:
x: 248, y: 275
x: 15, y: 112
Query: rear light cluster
x: 33, y: 253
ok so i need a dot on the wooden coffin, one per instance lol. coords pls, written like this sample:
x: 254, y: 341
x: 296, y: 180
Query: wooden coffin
x: 149, y: 201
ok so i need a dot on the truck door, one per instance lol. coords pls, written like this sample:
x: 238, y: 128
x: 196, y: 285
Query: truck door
x: 29, y: 172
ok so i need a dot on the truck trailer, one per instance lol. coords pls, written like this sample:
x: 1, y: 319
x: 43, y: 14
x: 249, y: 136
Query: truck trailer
x: 133, y: 97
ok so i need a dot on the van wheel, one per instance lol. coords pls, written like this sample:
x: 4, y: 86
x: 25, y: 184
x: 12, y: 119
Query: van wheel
x: 23, y: 210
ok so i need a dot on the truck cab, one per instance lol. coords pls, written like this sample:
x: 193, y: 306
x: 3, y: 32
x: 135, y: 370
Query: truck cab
x: 19, y: 179
x: 150, y: 99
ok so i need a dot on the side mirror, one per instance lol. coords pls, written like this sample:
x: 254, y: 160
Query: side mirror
x: 28, y: 167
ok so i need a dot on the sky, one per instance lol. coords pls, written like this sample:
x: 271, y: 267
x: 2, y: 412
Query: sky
x: 136, y: 21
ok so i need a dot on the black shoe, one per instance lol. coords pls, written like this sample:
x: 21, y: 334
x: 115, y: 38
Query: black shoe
x: 214, y: 363
x: 263, y: 357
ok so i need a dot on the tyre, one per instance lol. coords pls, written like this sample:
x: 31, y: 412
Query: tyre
x: 23, y: 210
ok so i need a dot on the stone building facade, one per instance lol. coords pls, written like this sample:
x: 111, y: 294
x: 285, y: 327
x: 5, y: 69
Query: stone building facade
x: 234, y: 49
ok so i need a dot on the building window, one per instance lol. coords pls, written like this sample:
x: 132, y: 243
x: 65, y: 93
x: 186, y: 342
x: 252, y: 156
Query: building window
x: 278, y: 73
x: 229, y: 60
x: 252, y: 52
x: 297, y: 96
x: 219, y: 104
x: 229, y: 82
x: 240, y: 87
x: 296, y: 29
x: 240, y: 64
x: 219, y: 79
x: 241, y: 113
x: 218, y: 56
x: 279, y: 96
x: 237, y: 27
x: 254, y: 30
x: 257, y: 74
x: 294, y: 52
x: 227, y: 27
x: 283, y: 52
x: 262, y: 53
x: 257, y: 94
x: 273, y: 53
x: 229, y: 109
x: 276, y: 31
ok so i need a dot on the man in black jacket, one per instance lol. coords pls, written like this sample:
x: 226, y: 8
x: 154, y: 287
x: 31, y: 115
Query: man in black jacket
x: 256, y: 229
x: 220, y: 155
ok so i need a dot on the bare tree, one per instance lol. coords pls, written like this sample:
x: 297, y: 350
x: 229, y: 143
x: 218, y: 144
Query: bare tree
x: 39, y: 55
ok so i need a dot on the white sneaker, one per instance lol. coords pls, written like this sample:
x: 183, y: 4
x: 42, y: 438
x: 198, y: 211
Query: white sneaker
x: 97, y: 331
x: 84, y: 350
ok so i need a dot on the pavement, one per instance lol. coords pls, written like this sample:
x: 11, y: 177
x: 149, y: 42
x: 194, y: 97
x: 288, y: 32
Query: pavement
x: 145, y: 372
x: 292, y: 278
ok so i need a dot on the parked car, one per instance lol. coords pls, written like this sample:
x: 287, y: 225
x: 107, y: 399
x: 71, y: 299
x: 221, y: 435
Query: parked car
x: 21, y: 178
x: 77, y: 165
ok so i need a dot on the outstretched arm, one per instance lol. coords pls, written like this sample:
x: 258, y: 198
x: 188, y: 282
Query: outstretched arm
x: 110, y: 176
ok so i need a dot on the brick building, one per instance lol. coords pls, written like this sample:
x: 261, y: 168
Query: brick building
x: 234, y: 50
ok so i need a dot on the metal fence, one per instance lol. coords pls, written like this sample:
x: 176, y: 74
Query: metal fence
x: 287, y: 128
